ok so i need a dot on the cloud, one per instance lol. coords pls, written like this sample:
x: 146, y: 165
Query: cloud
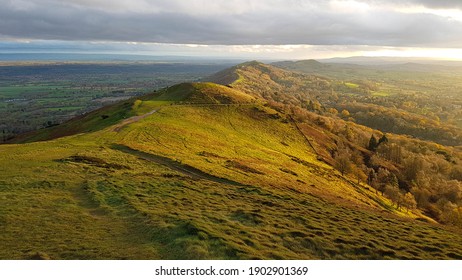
x: 231, y: 22
x: 436, y: 4
x: 432, y: 4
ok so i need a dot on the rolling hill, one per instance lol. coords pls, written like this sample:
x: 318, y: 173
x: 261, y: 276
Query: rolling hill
x: 201, y: 171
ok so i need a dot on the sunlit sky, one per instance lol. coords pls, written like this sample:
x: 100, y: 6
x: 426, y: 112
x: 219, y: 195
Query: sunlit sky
x: 272, y: 29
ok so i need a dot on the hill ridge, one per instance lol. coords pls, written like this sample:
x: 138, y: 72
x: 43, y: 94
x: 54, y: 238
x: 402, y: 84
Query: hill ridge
x: 209, y: 171
x: 123, y: 112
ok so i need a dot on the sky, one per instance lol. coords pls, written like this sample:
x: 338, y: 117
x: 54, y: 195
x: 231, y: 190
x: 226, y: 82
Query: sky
x: 278, y: 29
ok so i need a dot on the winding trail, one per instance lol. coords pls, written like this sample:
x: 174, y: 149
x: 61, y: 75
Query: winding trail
x: 175, y: 165
x: 133, y: 119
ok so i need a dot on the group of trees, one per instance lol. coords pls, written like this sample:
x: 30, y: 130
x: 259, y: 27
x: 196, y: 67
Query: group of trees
x: 412, y: 173
x: 427, y: 115
x: 401, y: 122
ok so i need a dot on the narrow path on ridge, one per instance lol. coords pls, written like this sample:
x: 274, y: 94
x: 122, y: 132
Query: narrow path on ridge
x: 175, y: 165
x: 133, y: 119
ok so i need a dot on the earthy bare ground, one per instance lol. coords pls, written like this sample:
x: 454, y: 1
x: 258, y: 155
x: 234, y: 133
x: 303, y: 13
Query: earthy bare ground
x: 133, y: 119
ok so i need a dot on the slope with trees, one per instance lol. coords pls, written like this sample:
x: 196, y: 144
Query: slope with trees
x: 396, y: 164
x: 243, y: 171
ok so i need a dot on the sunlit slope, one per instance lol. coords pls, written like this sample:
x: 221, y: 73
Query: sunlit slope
x: 120, y: 111
x: 198, y: 171
x: 259, y: 79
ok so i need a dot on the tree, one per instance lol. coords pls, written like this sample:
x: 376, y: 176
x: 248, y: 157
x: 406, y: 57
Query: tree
x: 371, y: 176
x: 384, y: 178
x: 343, y: 163
x: 372, y: 144
x: 456, y: 173
x: 390, y: 152
x: 422, y: 196
x: 393, y: 193
x: 440, y: 165
x: 382, y: 139
x: 376, y: 185
x: 373, y: 181
x: 412, y: 166
x: 348, y: 132
x: 393, y: 180
x: 332, y: 111
x: 314, y: 106
x: 359, y: 174
x: 409, y: 201
x: 451, y: 214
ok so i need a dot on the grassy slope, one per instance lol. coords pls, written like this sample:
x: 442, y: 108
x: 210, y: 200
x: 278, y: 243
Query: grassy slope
x: 84, y: 197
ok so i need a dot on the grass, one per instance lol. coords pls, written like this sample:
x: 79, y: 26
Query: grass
x: 380, y: 93
x: 351, y: 85
x: 261, y: 193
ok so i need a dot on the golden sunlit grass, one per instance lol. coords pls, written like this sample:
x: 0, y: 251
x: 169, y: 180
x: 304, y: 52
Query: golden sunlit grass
x: 352, y: 85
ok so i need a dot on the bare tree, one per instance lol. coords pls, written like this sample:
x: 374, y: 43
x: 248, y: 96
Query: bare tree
x: 409, y: 201
x: 359, y: 174
x: 343, y: 163
x: 393, y: 193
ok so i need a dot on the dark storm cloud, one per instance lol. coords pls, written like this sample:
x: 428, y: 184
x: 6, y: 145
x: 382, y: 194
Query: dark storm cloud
x: 226, y: 22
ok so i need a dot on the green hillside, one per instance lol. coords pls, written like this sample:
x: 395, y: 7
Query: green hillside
x: 197, y: 171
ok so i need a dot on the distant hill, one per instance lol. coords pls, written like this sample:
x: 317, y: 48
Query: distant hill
x: 351, y: 68
x: 251, y: 169
x: 365, y: 60
x: 311, y: 63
